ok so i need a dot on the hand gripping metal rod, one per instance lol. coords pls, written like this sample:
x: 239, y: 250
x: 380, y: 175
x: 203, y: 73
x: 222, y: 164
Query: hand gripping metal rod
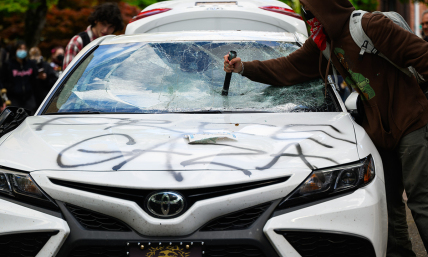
x: 225, y: 92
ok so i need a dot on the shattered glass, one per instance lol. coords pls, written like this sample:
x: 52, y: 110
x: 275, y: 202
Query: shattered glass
x: 181, y: 77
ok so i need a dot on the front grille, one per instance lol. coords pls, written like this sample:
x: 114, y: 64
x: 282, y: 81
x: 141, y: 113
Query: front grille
x: 314, y: 244
x: 95, y: 221
x: 23, y: 245
x: 99, y: 251
x: 233, y: 251
x: 237, y: 220
x: 191, y: 195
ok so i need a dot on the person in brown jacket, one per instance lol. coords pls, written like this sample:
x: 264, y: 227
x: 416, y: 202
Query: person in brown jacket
x: 396, y: 109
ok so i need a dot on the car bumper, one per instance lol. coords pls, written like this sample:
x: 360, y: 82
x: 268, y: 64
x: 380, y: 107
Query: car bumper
x: 360, y: 215
x: 24, y: 229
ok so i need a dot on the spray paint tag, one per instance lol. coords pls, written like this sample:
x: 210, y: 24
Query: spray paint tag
x: 208, y: 138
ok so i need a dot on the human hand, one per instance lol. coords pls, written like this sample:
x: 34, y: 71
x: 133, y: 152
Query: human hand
x: 2, y: 107
x: 42, y: 76
x: 235, y: 65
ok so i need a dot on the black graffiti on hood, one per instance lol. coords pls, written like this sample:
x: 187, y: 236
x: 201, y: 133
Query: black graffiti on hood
x: 321, y: 131
x: 132, y: 154
x: 119, y: 123
x: 245, y: 171
x: 299, y: 155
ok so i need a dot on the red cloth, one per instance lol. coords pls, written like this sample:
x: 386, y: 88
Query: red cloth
x: 317, y: 33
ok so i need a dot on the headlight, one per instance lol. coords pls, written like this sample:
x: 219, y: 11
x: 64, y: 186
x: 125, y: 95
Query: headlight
x: 330, y: 182
x: 20, y: 186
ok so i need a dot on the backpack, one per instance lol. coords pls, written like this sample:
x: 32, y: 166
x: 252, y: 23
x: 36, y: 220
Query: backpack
x: 85, y: 38
x: 366, y: 45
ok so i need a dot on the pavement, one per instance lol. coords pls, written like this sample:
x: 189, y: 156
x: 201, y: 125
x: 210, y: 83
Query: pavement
x: 418, y: 246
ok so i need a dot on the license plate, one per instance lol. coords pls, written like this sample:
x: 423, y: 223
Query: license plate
x: 165, y: 249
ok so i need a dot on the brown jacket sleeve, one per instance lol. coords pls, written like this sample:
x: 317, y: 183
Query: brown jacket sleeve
x: 401, y: 47
x: 300, y: 66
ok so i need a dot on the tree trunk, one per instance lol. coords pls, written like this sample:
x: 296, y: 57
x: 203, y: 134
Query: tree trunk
x: 35, y: 20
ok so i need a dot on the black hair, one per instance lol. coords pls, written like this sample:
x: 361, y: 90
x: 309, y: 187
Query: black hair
x: 109, y: 13
x: 15, y: 47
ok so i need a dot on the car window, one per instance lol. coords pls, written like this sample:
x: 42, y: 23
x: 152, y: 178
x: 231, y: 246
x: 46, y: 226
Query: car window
x: 181, y: 77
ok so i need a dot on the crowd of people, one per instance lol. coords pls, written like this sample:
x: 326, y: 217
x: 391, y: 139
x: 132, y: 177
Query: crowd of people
x: 28, y: 76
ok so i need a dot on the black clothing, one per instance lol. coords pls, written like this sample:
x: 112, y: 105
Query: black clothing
x: 20, y: 82
x: 43, y: 86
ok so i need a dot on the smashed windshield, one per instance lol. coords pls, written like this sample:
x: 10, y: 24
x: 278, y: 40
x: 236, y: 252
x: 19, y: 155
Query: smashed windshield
x: 180, y: 77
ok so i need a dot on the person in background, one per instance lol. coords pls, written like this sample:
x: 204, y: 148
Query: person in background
x: 57, y: 59
x: 424, y: 24
x: 4, y: 55
x: 105, y: 20
x: 18, y: 76
x: 46, y: 76
x: 2, y: 103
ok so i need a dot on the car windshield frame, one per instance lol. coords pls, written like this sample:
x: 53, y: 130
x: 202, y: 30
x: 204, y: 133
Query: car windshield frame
x: 330, y: 93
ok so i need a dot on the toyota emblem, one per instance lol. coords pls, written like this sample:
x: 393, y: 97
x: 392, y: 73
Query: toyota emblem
x: 165, y: 204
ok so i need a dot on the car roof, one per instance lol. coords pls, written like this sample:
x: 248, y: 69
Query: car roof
x: 185, y: 15
x: 206, y: 36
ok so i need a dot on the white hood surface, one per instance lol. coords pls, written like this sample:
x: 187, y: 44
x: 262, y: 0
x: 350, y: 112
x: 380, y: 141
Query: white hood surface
x: 157, y: 142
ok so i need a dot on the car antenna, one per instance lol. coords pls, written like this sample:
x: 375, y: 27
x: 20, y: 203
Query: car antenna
x: 225, y: 92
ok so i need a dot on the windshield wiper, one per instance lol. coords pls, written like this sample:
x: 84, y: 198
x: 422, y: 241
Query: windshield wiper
x: 202, y: 111
x: 217, y: 111
x: 64, y: 113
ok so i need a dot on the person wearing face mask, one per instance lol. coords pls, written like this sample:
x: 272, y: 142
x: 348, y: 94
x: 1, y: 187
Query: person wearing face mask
x: 57, y: 59
x: 395, y: 107
x: 18, y: 76
x: 105, y: 20
x: 46, y: 76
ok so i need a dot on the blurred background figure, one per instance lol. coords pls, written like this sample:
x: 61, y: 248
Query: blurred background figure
x: 57, y: 59
x: 46, y: 76
x: 424, y: 24
x: 4, y: 55
x: 18, y: 76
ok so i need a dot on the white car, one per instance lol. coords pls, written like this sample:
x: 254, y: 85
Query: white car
x: 252, y: 15
x: 136, y: 152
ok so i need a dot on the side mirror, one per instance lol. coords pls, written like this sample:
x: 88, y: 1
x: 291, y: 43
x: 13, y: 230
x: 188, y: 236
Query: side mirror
x: 12, y: 117
x: 351, y: 104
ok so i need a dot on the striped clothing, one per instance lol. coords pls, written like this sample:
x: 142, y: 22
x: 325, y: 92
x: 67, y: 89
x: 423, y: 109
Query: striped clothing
x: 74, y: 47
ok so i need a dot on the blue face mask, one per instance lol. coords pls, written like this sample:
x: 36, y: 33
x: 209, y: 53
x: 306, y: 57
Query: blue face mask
x: 21, y: 54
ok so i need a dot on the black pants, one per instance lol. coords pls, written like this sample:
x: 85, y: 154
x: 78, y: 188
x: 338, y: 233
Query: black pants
x: 407, y: 168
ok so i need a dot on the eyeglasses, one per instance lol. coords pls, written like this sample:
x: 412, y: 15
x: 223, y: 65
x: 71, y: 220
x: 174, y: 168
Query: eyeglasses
x: 424, y: 23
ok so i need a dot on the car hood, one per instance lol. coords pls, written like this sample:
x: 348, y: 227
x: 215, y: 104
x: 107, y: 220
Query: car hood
x: 245, y: 142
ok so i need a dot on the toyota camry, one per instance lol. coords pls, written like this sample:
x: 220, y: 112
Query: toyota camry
x: 137, y: 152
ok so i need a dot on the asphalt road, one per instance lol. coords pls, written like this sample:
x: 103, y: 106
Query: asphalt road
x: 418, y: 246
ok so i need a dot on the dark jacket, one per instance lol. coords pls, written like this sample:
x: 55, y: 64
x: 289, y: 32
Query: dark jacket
x: 393, y: 102
x: 44, y: 86
x: 19, y: 80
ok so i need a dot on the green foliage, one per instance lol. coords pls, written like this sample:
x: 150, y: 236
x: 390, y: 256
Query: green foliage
x: 366, y: 5
x: 141, y: 3
x: 20, y: 6
x: 294, y: 4
x: 11, y: 6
